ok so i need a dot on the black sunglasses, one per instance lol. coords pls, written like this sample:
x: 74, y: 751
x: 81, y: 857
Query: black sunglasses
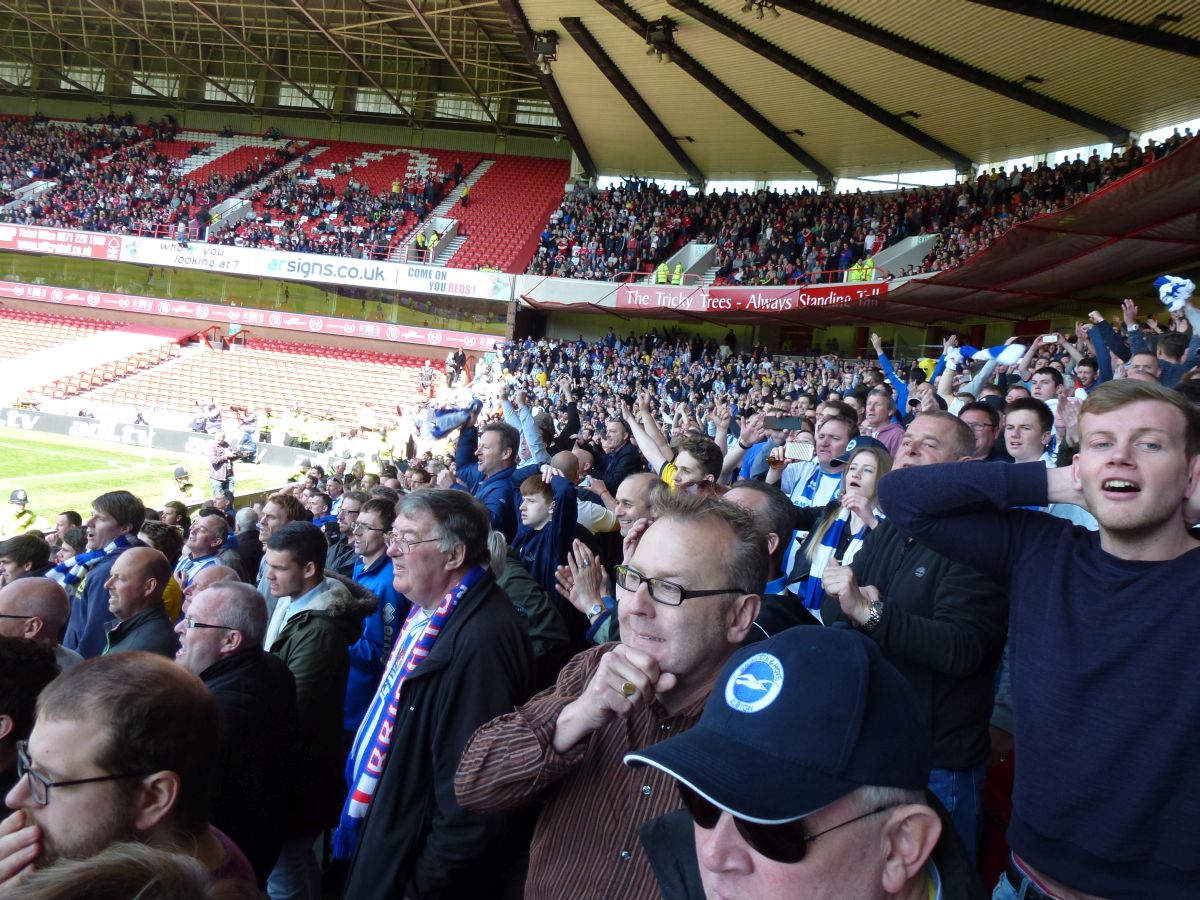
x: 784, y: 843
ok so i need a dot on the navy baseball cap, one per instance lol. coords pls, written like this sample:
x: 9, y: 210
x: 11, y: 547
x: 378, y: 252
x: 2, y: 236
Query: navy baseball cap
x: 857, y: 443
x: 796, y: 722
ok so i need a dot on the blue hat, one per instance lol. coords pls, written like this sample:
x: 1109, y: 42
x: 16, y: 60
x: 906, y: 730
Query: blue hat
x: 857, y: 443
x: 796, y: 722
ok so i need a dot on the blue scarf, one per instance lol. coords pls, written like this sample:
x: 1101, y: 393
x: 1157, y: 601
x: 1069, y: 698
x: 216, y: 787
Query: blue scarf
x: 322, y: 521
x: 372, y: 744
x: 826, y: 553
x: 72, y: 572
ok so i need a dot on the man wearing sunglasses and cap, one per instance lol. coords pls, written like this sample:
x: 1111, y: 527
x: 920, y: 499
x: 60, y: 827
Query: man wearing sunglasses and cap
x: 688, y: 596
x: 834, y: 808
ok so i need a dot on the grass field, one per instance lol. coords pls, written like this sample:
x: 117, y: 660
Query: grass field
x: 61, y: 472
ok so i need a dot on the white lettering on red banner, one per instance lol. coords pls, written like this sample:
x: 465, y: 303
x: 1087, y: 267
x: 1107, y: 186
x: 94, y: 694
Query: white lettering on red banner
x: 60, y: 242
x: 698, y: 299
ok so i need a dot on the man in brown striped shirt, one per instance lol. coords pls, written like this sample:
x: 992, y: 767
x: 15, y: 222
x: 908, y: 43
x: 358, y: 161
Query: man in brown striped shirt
x: 687, y: 596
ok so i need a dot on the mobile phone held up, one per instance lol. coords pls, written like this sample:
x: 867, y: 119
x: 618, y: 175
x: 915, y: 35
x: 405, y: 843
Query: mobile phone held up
x: 783, y: 423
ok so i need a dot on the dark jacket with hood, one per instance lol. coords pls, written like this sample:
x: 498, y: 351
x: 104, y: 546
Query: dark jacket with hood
x: 315, y: 645
x: 257, y: 751
x: 416, y: 840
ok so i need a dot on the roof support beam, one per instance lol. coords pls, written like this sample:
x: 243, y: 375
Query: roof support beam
x: 449, y: 57
x: 256, y: 56
x: 148, y: 39
x: 1098, y: 24
x: 638, y: 25
x: 820, y: 80
x: 617, y: 79
x: 337, y: 45
x: 106, y: 65
x: 520, y: 27
x: 943, y: 63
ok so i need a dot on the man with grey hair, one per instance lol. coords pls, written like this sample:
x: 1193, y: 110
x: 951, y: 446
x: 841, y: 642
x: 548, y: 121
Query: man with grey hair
x: 687, y: 596
x: 36, y: 609
x: 839, y: 810
x: 461, y: 658
x: 221, y: 639
x: 249, y: 547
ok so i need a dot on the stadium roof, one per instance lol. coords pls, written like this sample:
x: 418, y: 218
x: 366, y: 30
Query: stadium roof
x: 746, y: 88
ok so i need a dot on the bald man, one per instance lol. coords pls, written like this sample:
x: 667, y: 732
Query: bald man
x: 206, y: 578
x: 591, y: 512
x: 36, y: 609
x: 135, y: 598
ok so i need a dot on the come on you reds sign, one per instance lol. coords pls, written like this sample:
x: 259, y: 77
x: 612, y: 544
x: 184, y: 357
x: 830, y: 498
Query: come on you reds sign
x: 212, y: 314
x: 317, y: 268
x: 698, y: 299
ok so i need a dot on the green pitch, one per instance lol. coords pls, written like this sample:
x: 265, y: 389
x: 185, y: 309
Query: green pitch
x: 61, y: 472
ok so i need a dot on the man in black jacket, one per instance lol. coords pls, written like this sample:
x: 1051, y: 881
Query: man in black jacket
x: 621, y: 458
x: 416, y: 841
x: 942, y: 624
x: 135, y: 597
x: 221, y: 643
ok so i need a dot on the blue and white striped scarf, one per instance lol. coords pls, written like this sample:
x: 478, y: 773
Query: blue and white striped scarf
x: 372, y: 744
x: 72, y: 572
x: 823, y: 555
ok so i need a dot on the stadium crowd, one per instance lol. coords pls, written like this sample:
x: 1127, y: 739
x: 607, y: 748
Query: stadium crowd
x: 298, y: 212
x: 116, y: 181
x: 675, y: 618
x: 809, y: 237
x: 765, y: 238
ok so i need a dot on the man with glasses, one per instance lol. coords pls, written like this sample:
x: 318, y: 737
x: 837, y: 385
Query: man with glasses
x: 984, y: 421
x: 342, y: 556
x: 373, y: 570
x: 221, y: 644
x: 687, y: 596
x: 805, y: 777
x: 26, y: 667
x: 123, y: 749
x: 462, y: 657
x: 36, y: 609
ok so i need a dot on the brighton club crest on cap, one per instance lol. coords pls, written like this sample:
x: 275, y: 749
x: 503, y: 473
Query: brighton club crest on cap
x: 755, y: 684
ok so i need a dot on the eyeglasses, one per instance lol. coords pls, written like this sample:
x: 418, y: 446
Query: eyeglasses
x: 348, y: 512
x: 13, y: 616
x: 192, y: 623
x: 662, y: 591
x: 979, y: 426
x: 361, y: 527
x: 403, y: 544
x: 784, y: 843
x: 39, y: 784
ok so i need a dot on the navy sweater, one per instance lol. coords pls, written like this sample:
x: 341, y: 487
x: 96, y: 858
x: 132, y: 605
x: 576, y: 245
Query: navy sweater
x: 1105, y: 676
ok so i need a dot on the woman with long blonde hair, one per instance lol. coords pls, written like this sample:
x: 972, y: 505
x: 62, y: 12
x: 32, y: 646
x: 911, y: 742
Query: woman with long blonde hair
x: 838, y: 535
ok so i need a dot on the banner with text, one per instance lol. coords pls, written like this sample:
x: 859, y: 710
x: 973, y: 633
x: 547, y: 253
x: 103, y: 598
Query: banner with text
x: 259, y: 263
x: 215, y: 314
x: 726, y: 298
x: 60, y: 242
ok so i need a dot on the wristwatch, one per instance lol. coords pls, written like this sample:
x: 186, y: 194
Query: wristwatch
x: 874, y: 614
x: 594, y: 612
